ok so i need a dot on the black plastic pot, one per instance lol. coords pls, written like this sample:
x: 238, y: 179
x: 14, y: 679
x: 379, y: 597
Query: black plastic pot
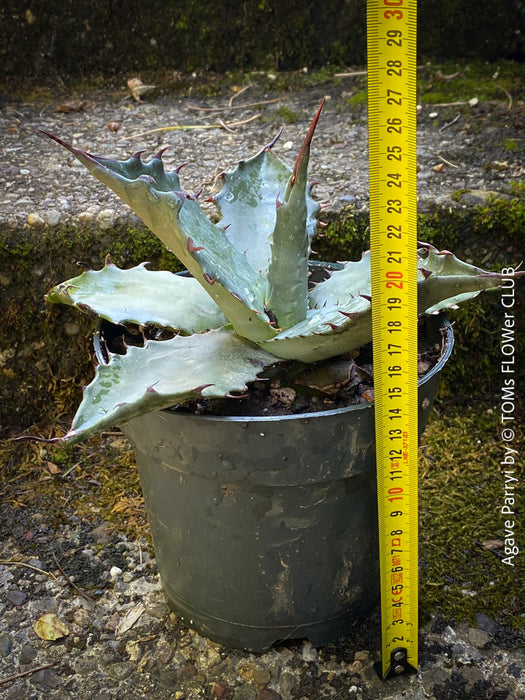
x: 265, y: 529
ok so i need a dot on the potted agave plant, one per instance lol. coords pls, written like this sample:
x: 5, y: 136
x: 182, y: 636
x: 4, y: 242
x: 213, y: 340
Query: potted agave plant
x: 264, y: 527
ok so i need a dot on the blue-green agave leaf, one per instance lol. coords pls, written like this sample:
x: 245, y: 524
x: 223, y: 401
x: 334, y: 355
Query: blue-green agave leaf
x: 247, y: 204
x: 141, y: 296
x: 352, y: 280
x: 325, y: 332
x: 180, y: 223
x: 290, y: 244
x: 444, y: 280
x: 340, y: 317
x: 164, y: 373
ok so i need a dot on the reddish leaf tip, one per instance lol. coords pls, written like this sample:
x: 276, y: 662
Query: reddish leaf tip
x: 305, y: 148
x: 159, y: 155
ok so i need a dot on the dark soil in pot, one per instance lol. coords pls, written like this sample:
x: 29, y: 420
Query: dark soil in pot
x: 289, y: 388
x: 293, y: 388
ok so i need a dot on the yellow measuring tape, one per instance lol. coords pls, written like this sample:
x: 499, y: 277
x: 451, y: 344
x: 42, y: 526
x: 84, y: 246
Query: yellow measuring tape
x: 391, y: 28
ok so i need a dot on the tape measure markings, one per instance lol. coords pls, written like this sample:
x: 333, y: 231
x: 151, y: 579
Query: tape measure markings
x: 391, y: 28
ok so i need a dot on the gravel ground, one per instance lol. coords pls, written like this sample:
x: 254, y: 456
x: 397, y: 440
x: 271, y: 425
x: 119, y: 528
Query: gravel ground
x: 459, y: 148
x: 120, y: 639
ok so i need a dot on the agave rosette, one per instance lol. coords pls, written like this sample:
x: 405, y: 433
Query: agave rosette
x: 248, y: 303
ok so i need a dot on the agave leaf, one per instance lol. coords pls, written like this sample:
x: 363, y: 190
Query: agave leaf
x: 163, y: 373
x: 353, y: 279
x: 444, y: 281
x: 340, y: 319
x: 225, y: 274
x: 326, y: 332
x: 247, y: 204
x: 179, y: 222
x: 141, y: 296
x: 288, y: 271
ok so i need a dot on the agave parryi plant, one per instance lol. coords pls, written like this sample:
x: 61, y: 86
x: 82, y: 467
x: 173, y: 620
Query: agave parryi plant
x: 247, y: 304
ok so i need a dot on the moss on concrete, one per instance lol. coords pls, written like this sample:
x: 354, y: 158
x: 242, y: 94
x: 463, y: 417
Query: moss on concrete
x: 45, y: 352
x: 462, y: 529
x: 345, y: 237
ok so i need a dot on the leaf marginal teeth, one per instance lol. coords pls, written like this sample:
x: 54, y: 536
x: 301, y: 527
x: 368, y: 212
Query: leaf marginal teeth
x: 191, y: 247
x: 161, y: 152
x: 200, y: 389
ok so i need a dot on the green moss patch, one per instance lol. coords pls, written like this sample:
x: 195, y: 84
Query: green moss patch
x: 462, y: 529
x: 97, y: 479
x: 45, y: 352
x: 458, y: 81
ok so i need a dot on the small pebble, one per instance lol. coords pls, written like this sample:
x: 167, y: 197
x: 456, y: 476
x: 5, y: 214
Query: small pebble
x: 16, y: 597
x: 268, y: 694
x: 115, y: 572
x: 35, y: 220
x: 107, y: 218
x: 478, y: 638
x: 52, y: 217
x: 309, y: 652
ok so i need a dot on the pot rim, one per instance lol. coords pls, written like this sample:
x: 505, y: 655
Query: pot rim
x: 448, y: 344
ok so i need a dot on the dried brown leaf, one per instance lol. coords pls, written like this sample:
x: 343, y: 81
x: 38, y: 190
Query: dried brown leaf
x: 50, y: 627
x: 52, y: 468
x: 74, y: 106
x: 130, y: 618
